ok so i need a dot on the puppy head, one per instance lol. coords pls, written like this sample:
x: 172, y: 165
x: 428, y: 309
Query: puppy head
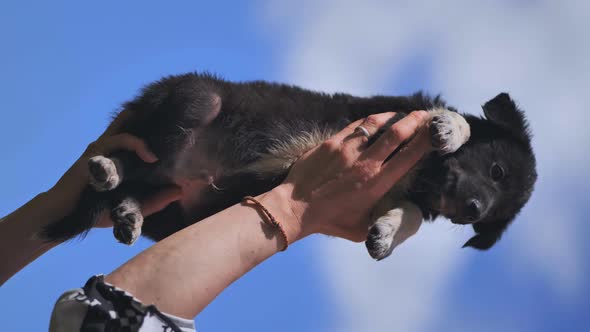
x: 492, y: 176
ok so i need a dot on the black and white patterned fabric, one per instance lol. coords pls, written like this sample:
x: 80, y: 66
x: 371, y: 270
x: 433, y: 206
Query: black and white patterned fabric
x: 99, y: 306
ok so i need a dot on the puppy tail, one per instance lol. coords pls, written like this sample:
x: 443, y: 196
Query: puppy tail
x: 80, y: 221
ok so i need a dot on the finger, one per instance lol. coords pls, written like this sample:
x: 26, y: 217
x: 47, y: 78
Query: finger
x: 347, y: 131
x: 160, y: 200
x: 115, y: 126
x: 394, y: 136
x: 372, y: 124
x: 403, y: 160
x: 358, y: 233
x: 131, y: 143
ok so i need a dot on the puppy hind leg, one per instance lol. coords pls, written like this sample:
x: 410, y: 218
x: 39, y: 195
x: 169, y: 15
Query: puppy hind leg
x: 127, y: 219
x: 108, y: 172
x: 127, y: 211
x: 104, y: 173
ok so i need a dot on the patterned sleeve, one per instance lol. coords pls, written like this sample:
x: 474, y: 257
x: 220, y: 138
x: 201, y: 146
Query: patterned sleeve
x: 99, y: 306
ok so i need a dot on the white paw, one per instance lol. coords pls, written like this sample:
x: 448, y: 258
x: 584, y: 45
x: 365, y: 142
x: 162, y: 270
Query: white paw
x: 449, y: 131
x: 104, y: 175
x: 380, y: 239
x: 392, y: 229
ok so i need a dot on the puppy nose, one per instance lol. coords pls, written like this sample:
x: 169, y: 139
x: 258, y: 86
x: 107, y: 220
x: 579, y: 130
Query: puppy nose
x: 473, y: 209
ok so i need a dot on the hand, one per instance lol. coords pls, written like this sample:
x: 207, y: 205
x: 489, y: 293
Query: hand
x: 332, y: 188
x: 64, y: 195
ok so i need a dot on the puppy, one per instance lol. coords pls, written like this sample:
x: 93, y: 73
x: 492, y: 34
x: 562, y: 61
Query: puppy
x: 221, y: 141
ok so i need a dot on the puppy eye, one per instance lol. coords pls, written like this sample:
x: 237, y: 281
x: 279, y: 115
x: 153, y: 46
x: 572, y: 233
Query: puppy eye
x: 496, y: 172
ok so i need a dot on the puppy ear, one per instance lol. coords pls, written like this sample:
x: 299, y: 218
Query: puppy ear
x: 487, y: 234
x: 503, y: 111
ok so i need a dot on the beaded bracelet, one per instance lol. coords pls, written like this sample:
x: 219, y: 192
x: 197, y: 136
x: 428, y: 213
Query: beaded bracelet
x: 269, y: 219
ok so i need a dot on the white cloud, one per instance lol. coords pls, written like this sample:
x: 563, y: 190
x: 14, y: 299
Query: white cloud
x: 536, y: 50
x: 548, y: 240
x: 539, y: 53
x: 398, y: 294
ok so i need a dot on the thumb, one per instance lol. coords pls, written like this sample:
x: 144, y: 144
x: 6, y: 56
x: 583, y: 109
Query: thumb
x: 160, y: 200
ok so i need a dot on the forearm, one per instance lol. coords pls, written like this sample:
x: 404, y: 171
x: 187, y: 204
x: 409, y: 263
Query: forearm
x: 183, y: 273
x: 19, y: 245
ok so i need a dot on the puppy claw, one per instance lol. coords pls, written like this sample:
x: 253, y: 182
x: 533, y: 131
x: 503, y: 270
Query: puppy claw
x: 448, y: 131
x: 127, y: 221
x: 104, y: 175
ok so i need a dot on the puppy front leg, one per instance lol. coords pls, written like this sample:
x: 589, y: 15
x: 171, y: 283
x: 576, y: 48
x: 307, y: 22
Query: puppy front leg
x: 448, y: 130
x: 392, y: 227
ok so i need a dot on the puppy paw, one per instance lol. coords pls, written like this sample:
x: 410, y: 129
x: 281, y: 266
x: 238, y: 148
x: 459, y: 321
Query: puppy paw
x: 127, y: 221
x: 448, y: 131
x: 393, y: 228
x: 104, y: 175
x: 379, y: 242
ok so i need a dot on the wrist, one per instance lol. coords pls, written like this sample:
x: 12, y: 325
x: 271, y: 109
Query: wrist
x: 37, y: 212
x: 51, y: 206
x: 286, y: 211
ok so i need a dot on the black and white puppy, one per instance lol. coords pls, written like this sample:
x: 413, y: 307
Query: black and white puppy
x: 221, y: 141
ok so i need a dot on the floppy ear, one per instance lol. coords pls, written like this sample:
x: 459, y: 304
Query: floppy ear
x: 503, y: 111
x: 487, y: 234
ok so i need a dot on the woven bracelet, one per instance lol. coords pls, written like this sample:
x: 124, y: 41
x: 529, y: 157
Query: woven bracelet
x: 269, y: 218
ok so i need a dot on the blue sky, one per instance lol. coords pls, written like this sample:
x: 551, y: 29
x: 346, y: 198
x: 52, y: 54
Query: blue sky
x: 66, y: 65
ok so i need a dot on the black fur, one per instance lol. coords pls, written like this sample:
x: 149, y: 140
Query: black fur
x: 207, y: 129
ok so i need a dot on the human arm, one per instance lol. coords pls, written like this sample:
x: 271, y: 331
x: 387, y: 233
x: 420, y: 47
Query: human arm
x: 183, y: 273
x: 19, y: 243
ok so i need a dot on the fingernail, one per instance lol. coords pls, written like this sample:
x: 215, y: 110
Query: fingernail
x: 151, y: 157
x: 422, y: 114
